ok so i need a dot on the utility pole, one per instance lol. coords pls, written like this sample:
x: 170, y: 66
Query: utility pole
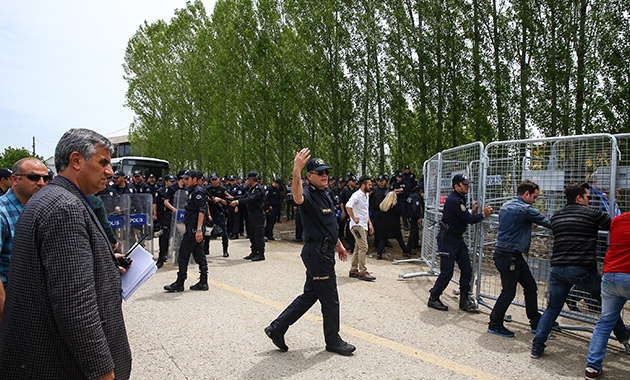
x: 33, y: 146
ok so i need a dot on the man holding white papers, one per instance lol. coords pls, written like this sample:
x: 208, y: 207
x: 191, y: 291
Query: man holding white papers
x: 63, y: 316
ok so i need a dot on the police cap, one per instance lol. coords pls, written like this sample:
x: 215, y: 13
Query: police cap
x: 214, y: 175
x: 460, y: 178
x: 316, y: 164
x: 118, y: 173
x: 252, y: 175
x: 137, y: 173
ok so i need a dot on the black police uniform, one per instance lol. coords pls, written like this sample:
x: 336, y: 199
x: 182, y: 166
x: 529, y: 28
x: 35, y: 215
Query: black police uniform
x: 164, y: 219
x: 414, y: 203
x: 318, y: 255
x: 217, y: 212
x: 167, y: 218
x: 409, y: 179
x: 196, y: 203
x: 254, y: 201
x: 272, y: 209
x: 376, y: 197
x: 235, y: 214
x: 452, y: 246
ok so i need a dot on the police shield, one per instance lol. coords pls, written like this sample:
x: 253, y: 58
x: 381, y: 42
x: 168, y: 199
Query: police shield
x: 141, y: 220
x: 118, y: 208
x: 177, y: 225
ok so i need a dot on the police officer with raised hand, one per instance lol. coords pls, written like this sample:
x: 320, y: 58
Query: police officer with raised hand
x: 318, y: 255
x: 455, y: 219
x: 194, y: 217
x: 254, y: 201
x: 217, y: 203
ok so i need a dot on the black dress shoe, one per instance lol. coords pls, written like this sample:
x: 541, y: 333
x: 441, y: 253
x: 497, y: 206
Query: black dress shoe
x: 226, y: 254
x: 258, y: 258
x: 248, y: 257
x: 159, y: 264
x: 277, y: 337
x: 341, y: 348
x: 436, y: 304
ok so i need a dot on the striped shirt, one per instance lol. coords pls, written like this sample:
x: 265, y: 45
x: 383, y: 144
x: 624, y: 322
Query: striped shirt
x: 10, y: 210
x: 575, y: 235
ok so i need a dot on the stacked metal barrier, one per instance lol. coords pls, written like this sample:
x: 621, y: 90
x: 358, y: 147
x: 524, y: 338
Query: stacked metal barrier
x: 496, y: 171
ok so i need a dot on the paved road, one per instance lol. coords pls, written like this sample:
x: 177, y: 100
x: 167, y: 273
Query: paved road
x: 218, y: 334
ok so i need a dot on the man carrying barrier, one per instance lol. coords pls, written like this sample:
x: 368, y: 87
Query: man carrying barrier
x: 513, y: 240
x: 573, y: 260
x: 615, y: 291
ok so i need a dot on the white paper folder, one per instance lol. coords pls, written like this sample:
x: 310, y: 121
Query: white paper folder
x: 141, y: 269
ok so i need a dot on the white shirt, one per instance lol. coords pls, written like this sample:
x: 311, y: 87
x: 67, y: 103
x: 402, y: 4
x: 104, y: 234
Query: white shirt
x: 358, y: 202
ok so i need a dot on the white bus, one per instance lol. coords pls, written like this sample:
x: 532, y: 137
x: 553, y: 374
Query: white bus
x: 129, y: 164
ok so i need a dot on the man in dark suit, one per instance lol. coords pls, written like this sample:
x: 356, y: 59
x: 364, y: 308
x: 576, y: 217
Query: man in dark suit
x: 63, y: 316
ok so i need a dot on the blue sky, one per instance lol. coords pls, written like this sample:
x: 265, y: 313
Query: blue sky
x: 61, y: 66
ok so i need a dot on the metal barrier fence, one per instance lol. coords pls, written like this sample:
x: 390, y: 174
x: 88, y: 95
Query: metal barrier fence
x: 495, y: 171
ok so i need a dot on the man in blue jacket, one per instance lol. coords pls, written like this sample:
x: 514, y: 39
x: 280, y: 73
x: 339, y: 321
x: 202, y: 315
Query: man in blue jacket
x: 514, y: 237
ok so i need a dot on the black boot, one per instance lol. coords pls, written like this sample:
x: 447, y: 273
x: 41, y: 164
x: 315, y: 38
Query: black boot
x: 202, y: 284
x: 435, y: 303
x: 259, y: 257
x: 466, y: 304
x: 177, y: 286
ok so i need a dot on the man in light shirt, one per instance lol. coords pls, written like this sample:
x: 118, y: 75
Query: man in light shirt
x: 360, y: 226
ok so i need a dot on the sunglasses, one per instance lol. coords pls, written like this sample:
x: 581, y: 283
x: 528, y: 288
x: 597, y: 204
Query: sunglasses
x: 35, y: 177
x: 320, y: 172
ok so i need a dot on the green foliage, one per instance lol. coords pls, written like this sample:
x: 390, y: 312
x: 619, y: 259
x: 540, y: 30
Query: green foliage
x: 12, y: 155
x: 371, y: 85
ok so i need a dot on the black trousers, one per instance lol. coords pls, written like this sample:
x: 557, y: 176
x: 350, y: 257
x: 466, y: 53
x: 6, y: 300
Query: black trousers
x: 190, y: 246
x: 270, y: 221
x: 256, y: 231
x: 453, y: 250
x: 514, y: 270
x: 414, y: 235
x: 320, y: 285
x: 219, y: 220
x: 165, y: 222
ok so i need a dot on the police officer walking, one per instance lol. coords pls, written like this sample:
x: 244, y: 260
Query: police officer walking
x: 318, y: 256
x: 254, y: 200
x: 194, y: 216
x: 456, y: 218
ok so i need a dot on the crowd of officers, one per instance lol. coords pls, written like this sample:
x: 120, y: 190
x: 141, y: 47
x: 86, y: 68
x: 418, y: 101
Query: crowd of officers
x: 227, y: 207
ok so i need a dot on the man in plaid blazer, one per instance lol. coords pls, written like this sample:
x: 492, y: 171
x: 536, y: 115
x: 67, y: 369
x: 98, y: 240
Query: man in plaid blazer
x: 63, y: 316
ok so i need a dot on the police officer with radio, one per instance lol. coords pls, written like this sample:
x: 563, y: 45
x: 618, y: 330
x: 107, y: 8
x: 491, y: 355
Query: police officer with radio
x: 318, y: 255
x: 194, y: 217
x: 455, y: 219
x: 254, y: 200
x: 217, y: 203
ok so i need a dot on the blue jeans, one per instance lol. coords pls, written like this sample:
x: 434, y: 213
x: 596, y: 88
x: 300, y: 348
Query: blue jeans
x: 561, y: 279
x: 615, y: 292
